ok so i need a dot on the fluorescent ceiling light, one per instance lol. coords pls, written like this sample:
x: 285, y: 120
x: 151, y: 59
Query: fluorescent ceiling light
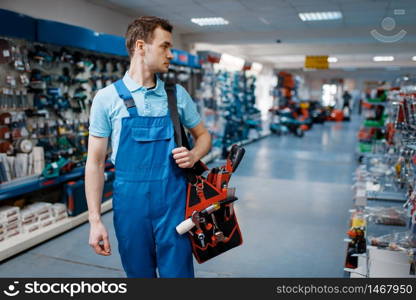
x: 209, y: 21
x: 231, y: 63
x: 332, y: 59
x: 383, y: 58
x: 414, y: 58
x: 320, y: 16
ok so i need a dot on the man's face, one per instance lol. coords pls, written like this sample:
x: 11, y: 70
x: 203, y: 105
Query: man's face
x: 157, y: 53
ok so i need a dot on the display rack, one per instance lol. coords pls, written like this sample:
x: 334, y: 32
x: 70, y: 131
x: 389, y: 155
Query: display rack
x: 382, y: 234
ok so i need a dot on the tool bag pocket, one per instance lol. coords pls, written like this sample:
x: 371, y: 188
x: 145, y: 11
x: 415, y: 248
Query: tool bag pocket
x: 220, y: 230
x: 218, y: 238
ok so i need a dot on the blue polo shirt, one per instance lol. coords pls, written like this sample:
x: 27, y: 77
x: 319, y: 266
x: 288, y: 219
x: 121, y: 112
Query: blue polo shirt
x: 108, y: 109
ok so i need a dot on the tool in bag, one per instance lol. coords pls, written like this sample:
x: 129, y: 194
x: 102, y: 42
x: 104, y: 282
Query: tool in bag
x: 209, y: 215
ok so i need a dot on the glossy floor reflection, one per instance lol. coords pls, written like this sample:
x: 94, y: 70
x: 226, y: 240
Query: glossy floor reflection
x: 293, y: 212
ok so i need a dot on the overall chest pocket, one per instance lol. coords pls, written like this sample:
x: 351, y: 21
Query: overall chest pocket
x: 151, y: 134
x: 153, y: 145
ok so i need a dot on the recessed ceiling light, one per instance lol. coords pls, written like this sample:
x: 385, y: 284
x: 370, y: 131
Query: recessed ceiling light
x: 332, y: 59
x: 320, y: 16
x: 263, y: 20
x: 414, y: 58
x: 383, y: 58
x: 209, y: 21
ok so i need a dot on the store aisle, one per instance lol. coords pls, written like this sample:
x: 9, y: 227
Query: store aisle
x: 295, y: 195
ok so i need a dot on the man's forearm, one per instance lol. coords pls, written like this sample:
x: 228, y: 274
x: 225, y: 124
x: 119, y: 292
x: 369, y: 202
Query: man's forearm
x: 94, y: 182
x: 202, y: 146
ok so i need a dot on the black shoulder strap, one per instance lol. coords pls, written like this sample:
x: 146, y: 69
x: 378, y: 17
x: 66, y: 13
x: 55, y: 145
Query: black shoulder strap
x: 180, y: 135
x: 174, y: 115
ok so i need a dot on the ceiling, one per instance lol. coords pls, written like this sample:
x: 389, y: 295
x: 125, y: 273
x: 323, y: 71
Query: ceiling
x: 256, y: 25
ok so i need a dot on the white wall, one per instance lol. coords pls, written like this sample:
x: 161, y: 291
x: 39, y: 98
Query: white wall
x: 77, y: 12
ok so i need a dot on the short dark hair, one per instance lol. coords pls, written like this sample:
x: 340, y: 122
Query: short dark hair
x: 142, y: 28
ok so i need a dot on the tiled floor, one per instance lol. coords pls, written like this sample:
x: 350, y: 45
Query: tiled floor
x: 293, y: 212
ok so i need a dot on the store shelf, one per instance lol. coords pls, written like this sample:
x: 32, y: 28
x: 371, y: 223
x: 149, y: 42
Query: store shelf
x: 251, y: 140
x: 14, y: 189
x: 386, y: 196
x: 381, y: 103
x: 12, y: 246
x: 33, y: 183
x: 211, y: 156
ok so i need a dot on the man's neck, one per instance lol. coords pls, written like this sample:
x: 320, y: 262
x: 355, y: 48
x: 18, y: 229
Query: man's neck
x: 141, y: 75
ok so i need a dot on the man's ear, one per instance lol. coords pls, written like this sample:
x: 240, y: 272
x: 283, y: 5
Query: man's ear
x: 139, y: 47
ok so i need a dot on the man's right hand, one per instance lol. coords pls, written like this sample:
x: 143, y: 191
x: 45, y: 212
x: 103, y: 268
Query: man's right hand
x: 99, y: 239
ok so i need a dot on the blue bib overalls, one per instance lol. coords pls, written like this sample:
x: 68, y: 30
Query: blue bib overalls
x: 149, y: 197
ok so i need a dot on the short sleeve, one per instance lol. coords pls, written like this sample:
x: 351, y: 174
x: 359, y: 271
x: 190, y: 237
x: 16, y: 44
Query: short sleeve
x: 100, y: 123
x: 188, y: 112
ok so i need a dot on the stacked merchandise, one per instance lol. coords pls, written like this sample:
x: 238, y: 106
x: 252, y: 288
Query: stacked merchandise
x: 16, y: 222
x: 59, y: 211
x: 10, y: 222
x: 382, y: 237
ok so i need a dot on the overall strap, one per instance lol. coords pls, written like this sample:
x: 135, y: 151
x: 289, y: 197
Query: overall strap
x: 124, y: 93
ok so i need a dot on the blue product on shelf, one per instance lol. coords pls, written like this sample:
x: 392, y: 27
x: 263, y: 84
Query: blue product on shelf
x: 74, y: 194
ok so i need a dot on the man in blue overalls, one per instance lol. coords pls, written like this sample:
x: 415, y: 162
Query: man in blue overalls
x: 149, y: 190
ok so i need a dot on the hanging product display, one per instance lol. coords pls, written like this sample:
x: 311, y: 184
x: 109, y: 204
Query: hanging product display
x: 229, y: 103
x: 386, y: 175
x: 46, y: 96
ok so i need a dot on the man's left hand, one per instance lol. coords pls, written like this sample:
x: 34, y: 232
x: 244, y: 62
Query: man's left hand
x: 184, y: 158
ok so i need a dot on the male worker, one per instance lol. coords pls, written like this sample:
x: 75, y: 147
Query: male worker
x: 149, y: 190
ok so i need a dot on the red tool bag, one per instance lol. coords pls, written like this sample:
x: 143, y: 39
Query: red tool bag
x: 210, y: 220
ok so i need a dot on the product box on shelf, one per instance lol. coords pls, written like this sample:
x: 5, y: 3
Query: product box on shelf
x: 29, y: 228
x: 9, y: 214
x: 59, y: 211
x: 46, y: 221
x: 13, y: 229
